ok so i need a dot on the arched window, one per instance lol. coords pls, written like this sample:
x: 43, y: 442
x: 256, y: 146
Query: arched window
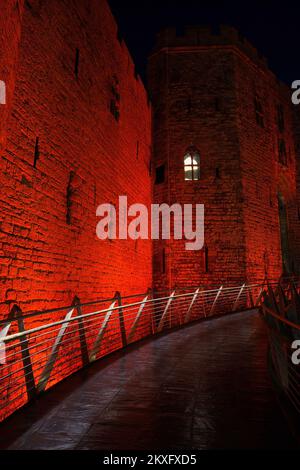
x: 284, y: 234
x: 192, y: 165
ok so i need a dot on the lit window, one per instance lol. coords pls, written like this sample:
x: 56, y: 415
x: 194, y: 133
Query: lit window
x: 192, y: 165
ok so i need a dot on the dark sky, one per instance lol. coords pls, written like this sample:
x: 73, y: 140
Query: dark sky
x: 272, y: 27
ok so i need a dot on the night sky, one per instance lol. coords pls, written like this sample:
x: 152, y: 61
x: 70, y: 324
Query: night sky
x: 274, y: 28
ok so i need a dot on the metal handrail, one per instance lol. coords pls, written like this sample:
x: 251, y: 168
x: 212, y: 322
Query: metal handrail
x: 37, y: 355
x: 34, y: 313
x: 87, y: 315
x: 280, y: 318
x: 282, y: 332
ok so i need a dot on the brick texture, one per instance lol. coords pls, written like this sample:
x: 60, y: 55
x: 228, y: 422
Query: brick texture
x: 65, y: 151
x: 204, y: 87
x: 76, y: 132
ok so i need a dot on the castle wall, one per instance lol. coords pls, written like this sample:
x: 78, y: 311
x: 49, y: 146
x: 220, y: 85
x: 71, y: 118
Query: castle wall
x: 75, y: 132
x: 10, y: 27
x: 296, y: 123
x: 267, y: 174
x: 67, y: 151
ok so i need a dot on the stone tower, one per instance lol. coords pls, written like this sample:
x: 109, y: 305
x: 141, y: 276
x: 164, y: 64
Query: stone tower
x: 223, y: 136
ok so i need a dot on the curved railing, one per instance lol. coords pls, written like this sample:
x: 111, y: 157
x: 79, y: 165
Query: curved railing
x: 39, y: 349
x: 281, y: 310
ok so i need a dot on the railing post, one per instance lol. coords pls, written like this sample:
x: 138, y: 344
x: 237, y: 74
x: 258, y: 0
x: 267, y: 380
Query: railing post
x: 82, y: 338
x: 215, y: 301
x: 45, y: 375
x: 259, y: 297
x: 238, y: 297
x: 188, y: 313
x: 153, y: 319
x: 17, y: 313
x: 249, y: 290
x: 294, y: 287
x: 3, y: 334
x: 136, y: 320
x: 295, y: 294
x: 98, y: 340
x: 121, y: 318
x: 260, y: 293
x: 273, y: 298
x: 162, y: 320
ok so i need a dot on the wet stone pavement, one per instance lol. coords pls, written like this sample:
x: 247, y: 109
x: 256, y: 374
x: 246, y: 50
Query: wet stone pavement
x: 202, y: 387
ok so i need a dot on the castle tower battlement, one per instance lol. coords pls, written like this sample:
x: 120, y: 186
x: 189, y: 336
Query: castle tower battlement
x: 201, y: 36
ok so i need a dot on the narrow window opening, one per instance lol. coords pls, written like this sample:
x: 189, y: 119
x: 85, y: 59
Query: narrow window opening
x: 114, y: 110
x: 163, y: 262
x: 137, y: 149
x: 76, y: 67
x: 218, y: 174
x: 284, y: 234
x: 206, y: 265
x: 36, y: 152
x: 266, y: 262
x: 70, y: 192
x: 259, y: 114
x: 115, y: 99
x: 282, y: 153
x: 270, y: 198
x: 160, y: 174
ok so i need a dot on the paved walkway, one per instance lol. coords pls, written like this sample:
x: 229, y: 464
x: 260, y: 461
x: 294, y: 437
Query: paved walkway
x: 203, y: 387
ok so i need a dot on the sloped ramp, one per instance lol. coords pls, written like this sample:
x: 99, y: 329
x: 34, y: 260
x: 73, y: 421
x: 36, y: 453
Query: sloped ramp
x: 205, y: 386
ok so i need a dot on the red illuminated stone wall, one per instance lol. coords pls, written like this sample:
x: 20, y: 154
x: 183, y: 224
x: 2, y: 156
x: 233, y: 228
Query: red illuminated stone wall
x: 296, y: 118
x: 268, y: 171
x: 203, y: 86
x: 77, y: 133
x: 10, y: 28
